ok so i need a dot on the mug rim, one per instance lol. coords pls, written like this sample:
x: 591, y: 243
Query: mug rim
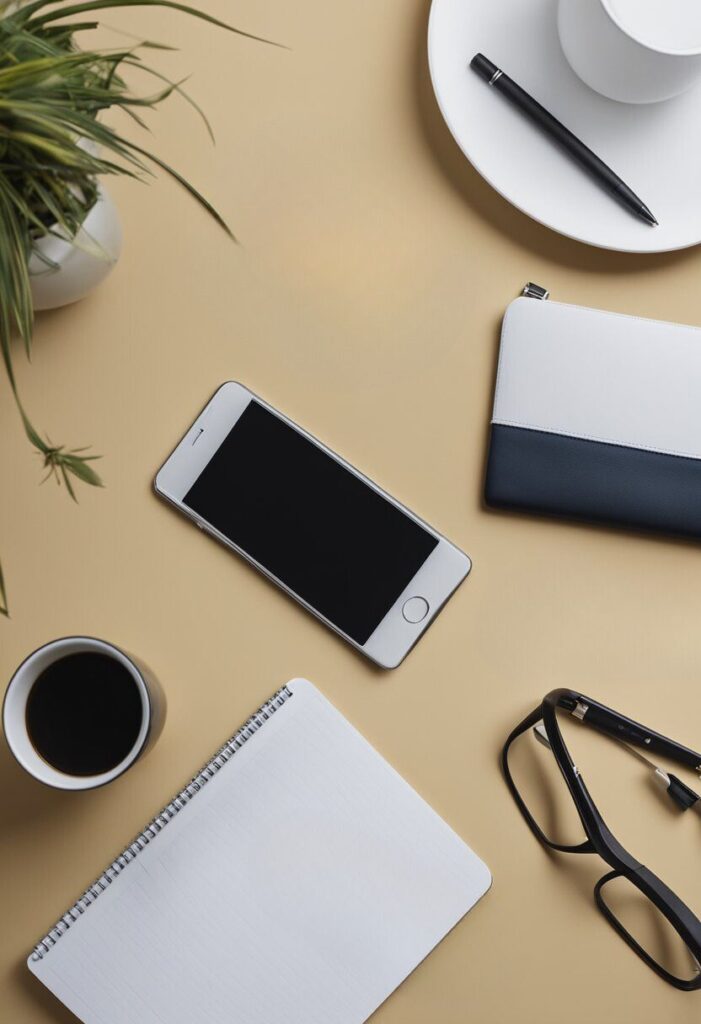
x: 38, y: 767
x: 691, y: 52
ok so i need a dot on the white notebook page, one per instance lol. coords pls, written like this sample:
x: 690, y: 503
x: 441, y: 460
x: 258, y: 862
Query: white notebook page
x: 302, y: 884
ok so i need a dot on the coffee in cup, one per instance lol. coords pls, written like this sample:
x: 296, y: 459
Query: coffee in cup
x: 78, y: 712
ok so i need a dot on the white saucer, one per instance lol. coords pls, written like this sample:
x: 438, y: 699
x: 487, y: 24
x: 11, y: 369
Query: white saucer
x: 655, y: 148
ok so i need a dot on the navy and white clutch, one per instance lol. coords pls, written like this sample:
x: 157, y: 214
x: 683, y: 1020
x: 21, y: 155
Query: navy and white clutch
x: 597, y: 416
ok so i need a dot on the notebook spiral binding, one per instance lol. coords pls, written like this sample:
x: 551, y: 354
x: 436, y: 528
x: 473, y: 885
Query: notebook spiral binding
x: 208, y: 771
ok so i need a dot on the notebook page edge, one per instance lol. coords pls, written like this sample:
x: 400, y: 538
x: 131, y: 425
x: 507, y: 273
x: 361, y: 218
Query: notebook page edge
x: 473, y: 873
x: 156, y: 824
x: 304, y: 686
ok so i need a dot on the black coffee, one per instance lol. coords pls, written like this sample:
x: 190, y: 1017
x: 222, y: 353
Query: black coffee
x: 84, y: 713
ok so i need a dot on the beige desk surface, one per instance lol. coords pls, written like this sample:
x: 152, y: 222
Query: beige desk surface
x: 365, y: 302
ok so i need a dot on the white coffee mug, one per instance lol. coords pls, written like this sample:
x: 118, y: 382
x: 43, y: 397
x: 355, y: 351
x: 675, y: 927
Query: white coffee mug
x: 636, y: 51
x: 14, y: 712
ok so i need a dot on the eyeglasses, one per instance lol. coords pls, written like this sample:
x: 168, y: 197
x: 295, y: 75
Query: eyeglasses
x: 679, y: 921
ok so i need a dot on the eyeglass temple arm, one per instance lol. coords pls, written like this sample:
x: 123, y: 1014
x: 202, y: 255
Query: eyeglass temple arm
x: 599, y: 717
x: 681, y: 794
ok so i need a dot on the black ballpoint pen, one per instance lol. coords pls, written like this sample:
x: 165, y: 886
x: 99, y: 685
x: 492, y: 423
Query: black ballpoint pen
x: 561, y: 135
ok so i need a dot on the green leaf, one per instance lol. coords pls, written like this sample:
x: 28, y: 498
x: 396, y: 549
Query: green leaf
x: 54, y: 146
x: 42, y: 68
x: 31, y: 433
x: 178, y: 88
x: 189, y: 188
x: 79, y: 468
x: 4, y: 607
x: 27, y: 12
x: 62, y: 469
x: 15, y: 293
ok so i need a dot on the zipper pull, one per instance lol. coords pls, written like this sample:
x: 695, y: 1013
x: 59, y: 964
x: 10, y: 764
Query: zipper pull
x: 535, y: 291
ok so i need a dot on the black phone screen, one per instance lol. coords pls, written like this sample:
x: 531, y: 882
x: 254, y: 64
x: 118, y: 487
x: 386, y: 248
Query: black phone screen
x: 322, y: 531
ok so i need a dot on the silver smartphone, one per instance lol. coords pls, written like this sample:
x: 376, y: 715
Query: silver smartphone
x: 352, y: 555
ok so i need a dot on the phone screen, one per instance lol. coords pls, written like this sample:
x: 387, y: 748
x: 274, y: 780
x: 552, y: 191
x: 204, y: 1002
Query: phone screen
x: 334, y: 541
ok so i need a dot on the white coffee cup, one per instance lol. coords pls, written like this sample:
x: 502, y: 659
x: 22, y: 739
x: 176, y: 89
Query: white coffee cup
x: 14, y: 712
x: 636, y: 51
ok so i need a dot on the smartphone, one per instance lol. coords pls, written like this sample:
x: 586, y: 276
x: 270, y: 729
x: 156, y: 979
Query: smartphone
x: 332, y: 539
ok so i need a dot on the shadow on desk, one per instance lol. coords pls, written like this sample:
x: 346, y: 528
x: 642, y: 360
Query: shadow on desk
x: 29, y: 802
x: 498, y: 212
x: 51, y: 1008
x: 27, y: 807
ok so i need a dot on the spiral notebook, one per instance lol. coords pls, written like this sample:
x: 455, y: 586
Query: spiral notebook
x: 297, y: 878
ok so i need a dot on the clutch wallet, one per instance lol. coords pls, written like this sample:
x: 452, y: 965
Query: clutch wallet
x: 597, y: 417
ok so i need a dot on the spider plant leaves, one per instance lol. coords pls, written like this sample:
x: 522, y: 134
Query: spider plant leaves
x: 54, y: 146
x: 4, y: 607
x: 79, y: 466
x: 134, y: 62
x: 196, y: 195
x: 31, y: 433
x: 61, y: 463
x: 66, y: 66
x: 15, y: 292
x: 28, y: 11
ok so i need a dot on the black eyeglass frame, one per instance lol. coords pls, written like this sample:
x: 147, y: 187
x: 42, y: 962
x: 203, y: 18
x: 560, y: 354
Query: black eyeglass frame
x: 599, y: 839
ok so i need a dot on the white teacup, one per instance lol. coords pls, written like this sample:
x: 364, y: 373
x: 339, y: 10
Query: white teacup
x: 636, y: 51
x: 151, y: 714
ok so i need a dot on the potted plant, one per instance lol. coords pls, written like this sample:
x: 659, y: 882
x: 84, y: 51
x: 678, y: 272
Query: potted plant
x: 59, y: 233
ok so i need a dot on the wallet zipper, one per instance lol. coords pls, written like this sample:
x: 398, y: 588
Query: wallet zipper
x: 535, y: 291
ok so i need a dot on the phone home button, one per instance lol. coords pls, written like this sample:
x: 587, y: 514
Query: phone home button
x: 415, y: 609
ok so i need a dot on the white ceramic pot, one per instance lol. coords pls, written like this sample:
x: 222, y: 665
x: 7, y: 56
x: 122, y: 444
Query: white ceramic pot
x: 636, y: 51
x: 63, y: 270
